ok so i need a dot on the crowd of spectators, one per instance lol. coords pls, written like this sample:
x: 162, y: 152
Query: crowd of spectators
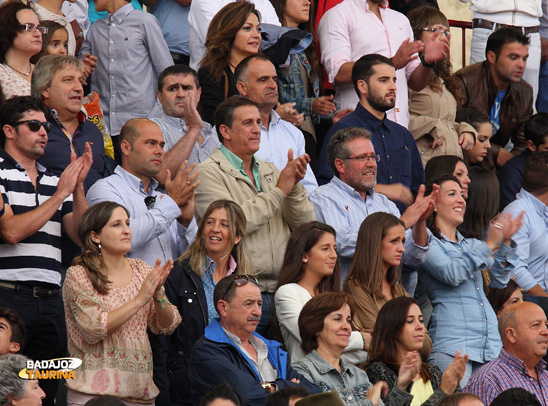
x: 318, y: 210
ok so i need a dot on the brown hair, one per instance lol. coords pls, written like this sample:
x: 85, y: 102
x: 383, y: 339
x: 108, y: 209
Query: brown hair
x: 497, y: 297
x: 221, y: 34
x: 301, y: 241
x: 10, y: 26
x: 313, y: 314
x: 196, y: 253
x: 366, y: 269
x: 388, y: 327
x: 93, y: 220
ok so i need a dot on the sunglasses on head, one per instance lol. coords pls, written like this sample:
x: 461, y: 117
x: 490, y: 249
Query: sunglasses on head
x: 240, y: 280
x: 35, y: 125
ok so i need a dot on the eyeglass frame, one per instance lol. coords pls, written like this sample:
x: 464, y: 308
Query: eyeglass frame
x: 45, y: 124
x: 29, y: 28
x: 447, y: 33
x: 242, y: 280
x: 364, y: 158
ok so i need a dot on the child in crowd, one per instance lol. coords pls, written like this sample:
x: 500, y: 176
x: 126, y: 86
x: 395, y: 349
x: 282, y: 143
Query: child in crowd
x: 12, y: 332
x: 54, y: 42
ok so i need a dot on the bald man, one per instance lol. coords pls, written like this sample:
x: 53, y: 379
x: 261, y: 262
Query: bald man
x: 524, y: 332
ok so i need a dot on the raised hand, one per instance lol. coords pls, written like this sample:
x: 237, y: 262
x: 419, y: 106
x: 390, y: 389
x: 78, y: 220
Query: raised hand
x: 376, y: 391
x: 181, y: 188
x: 454, y: 373
x: 407, y: 52
x: 466, y: 140
x: 294, y: 171
x: 437, y: 48
x: 323, y: 105
x: 287, y: 112
x: 409, y: 368
x: 190, y: 113
x: 502, y: 228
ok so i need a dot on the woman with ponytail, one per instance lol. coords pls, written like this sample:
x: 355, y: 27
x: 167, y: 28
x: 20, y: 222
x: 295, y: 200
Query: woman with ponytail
x: 110, y: 300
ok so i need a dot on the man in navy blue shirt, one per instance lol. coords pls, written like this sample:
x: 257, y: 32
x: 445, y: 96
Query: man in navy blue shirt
x: 399, y: 171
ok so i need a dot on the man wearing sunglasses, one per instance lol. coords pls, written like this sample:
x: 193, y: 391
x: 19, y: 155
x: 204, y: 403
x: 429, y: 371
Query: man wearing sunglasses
x: 37, y: 205
x: 232, y: 352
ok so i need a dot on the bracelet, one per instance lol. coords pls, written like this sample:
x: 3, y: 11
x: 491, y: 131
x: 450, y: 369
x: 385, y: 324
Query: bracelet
x: 423, y: 62
x: 363, y: 339
x: 162, y: 301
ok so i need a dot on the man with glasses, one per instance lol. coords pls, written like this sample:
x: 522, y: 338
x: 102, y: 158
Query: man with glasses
x: 274, y: 202
x: 232, y: 352
x: 400, y: 170
x: 36, y: 206
x: 351, y: 196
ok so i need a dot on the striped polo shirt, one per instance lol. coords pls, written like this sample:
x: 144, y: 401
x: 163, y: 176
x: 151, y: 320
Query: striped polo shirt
x: 37, y: 257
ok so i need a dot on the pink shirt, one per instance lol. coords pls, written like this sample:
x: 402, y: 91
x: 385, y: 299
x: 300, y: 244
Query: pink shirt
x: 348, y: 31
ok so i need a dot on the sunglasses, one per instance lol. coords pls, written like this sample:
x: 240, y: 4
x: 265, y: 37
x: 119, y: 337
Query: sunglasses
x: 35, y: 125
x: 240, y: 280
x: 150, y: 201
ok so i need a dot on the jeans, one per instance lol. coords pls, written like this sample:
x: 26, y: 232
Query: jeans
x: 46, y: 331
x: 265, y: 327
x: 531, y: 74
x: 542, y: 96
x: 444, y: 360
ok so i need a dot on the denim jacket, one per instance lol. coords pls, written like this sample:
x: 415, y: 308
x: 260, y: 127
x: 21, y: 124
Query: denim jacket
x: 292, y: 84
x: 351, y: 383
x: 462, y: 318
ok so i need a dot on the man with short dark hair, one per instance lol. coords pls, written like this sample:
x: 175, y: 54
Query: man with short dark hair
x: 232, y: 352
x: 531, y: 271
x: 511, y: 174
x: 524, y: 332
x: 187, y: 137
x: 274, y: 202
x: 400, y: 171
x: 36, y: 206
x: 496, y: 88
x: 257, y: 79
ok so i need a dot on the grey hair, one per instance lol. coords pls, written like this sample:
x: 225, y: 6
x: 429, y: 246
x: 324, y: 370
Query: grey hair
x: 48, y: 66
x: 338, y: 145
x: 11, y: 386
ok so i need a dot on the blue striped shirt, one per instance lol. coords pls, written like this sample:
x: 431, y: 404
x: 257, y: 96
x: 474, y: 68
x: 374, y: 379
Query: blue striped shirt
x: 343, y: 208
x: 37, y: 257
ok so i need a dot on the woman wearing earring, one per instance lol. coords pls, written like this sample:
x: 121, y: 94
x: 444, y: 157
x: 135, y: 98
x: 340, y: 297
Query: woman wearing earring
x: 110, y: 300
x: 310, y: 267
x: 216, y: 252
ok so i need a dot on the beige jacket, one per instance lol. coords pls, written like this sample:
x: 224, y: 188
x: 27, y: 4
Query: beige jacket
x: 432, y: 115
x: 270, y: 214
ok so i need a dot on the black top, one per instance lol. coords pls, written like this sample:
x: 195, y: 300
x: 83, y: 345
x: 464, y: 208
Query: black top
x: 214, y: 92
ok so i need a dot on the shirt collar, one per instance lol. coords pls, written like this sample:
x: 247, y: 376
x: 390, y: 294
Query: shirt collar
x: 519, y: 364
x: 274, y: 117
x: 210, y: 265
x: 235, y: 160
x: 121, y: 14
x: 135, y: 182
x: 324, y: 367
x: 540, y: 208
x: 81, y: 116
x: 337, y: 182
x: 383, y: 5
x: 374, y: 122
x: 3, y: 154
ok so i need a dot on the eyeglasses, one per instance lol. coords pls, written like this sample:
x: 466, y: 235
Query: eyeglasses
x: 33, y: 27
x: 150, y: 201
x: 240, y: 280
x: 441, y: 30
x: 363, y: 158
x: 35, y: 125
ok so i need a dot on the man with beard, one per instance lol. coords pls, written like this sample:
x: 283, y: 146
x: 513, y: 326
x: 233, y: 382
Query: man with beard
x: 399, y: 169
x: 351, y: 196
x: 497, y: 89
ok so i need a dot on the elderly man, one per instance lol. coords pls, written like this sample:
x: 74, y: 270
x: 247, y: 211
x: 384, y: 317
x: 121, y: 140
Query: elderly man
x: 256, y: 78
x: 232, y: 352
x: 524, y: 332
x: 36, y: 206
x: 57, y: 81
x: 187, y: 137
x: 350, y: 197
x: 274, y: 202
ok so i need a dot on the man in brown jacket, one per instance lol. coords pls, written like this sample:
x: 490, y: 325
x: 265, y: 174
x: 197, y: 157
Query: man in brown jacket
x: 496, y: 88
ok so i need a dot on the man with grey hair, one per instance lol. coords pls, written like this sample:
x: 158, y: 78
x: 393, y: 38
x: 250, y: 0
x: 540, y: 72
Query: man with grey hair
x: 350, y: 197
x: 56, y: 80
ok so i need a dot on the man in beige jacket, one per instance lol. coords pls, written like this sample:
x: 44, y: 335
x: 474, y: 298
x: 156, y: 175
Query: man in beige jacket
x: 273, y: 201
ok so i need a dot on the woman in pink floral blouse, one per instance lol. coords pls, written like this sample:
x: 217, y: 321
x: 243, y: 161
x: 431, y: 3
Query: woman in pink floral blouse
x: 110, y: 300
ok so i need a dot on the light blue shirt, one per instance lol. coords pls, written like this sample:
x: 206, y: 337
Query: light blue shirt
x: 174, y: 129
x: 156, y: 233
x: 277, y: 140
x: 209, y: 285
x: 462, y: 318
x: 532, y: 241
x: 174, y: 21
x: 343, y: 208
x: 131, y: 53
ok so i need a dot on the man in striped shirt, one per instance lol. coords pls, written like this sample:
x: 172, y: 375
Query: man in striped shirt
x: 36, y: 205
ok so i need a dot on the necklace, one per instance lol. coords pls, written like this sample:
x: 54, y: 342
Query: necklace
x: 18, y: 71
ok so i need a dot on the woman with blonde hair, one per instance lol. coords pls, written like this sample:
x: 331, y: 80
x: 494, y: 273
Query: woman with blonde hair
x: 216, y: 252
x: 110, y: 301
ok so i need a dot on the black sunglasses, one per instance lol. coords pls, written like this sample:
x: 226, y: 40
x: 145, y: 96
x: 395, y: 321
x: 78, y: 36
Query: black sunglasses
x: 35, y: 125
x: 240, y: 280
x: 150, y: 201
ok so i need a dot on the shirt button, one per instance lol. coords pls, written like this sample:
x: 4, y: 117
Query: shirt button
x: 112, y: 60
x: 349, y: 398
x: 189, y: 300
x: 481, y: 304
x: 387, y: 156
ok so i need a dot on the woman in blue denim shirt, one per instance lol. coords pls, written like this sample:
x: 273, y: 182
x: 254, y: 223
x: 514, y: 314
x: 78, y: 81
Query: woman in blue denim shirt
x: 462, y: 318
x: 325, y: 324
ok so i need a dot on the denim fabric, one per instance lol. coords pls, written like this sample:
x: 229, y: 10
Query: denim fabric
x: 291, y: 86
